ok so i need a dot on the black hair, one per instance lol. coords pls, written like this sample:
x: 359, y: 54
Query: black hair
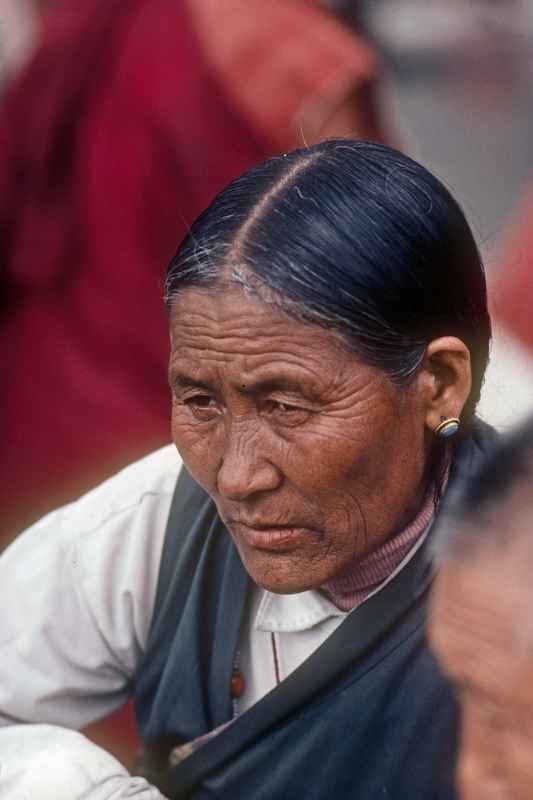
x: 356, y: 237
x: 465, y: 525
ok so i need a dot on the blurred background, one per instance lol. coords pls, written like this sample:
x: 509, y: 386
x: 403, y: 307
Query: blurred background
x: 120, y: 119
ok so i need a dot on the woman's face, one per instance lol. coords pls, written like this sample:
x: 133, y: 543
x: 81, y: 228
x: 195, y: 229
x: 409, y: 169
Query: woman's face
x: 312, y: 457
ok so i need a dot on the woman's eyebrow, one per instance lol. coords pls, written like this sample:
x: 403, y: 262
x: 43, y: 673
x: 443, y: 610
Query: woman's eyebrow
x: 280, y: 383
x: 180, y: 380
x: 271, y: 383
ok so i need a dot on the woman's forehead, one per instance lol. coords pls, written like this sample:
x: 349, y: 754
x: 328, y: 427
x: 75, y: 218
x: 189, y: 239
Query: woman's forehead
x: 231, y: 319
x: 245, y: 339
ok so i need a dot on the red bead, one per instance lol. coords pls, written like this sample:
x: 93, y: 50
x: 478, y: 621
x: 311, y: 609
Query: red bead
x: 237, y: 685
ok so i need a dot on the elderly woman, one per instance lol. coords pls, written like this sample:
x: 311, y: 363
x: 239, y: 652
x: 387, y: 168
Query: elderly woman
x: 481, y: 623
x: 329, y: 336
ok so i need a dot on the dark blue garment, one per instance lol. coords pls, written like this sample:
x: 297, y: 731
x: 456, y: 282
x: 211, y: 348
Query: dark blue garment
x: 368, y: 715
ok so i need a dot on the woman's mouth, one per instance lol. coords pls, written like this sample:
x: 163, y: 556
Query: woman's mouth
x: 279, y: 539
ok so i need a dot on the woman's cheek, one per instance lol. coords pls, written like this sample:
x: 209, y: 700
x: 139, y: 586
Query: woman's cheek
x: 193, y: 441
x: 336, y: 455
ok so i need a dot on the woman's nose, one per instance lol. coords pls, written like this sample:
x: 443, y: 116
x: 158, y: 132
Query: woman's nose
x: 244, y: 470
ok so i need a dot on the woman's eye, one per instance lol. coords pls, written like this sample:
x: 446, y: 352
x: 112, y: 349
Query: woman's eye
x: 287, y: 413
x: 286, y: 408
x: 203, y: 406
x: 202, y: 401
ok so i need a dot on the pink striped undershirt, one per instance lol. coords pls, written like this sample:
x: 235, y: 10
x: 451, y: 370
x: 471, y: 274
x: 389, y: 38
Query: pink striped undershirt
x: 353, y: 588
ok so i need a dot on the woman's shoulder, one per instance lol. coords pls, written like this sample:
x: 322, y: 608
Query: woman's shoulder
x: 153, y: 476
x: 130, y: 506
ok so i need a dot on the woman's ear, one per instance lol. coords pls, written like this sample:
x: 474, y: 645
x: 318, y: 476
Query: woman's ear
x: 446, y: 379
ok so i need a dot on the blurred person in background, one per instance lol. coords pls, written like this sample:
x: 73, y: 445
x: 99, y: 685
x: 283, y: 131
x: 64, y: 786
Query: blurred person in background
x: 294, y: 68
x: 481, y: 621
x: 129, y: 117
x: 110, y: 138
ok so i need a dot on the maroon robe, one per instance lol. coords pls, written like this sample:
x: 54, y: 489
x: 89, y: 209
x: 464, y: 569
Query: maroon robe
x: 112, y: 140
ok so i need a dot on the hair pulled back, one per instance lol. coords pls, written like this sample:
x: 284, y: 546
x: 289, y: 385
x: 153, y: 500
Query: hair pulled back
x: 353, y: 236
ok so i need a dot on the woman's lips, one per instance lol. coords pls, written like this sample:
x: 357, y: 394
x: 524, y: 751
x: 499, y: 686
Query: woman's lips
x: 275, y: 539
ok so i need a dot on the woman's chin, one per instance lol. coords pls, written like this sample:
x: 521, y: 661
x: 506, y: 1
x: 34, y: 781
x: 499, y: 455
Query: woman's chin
x: 282, y: 574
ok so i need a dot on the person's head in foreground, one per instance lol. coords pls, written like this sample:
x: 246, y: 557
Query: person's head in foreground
x: 482, y: 622
x: 328, y: 314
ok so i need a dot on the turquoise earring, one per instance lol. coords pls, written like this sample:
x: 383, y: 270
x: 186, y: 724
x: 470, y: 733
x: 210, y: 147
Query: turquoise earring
x: 447, y: 428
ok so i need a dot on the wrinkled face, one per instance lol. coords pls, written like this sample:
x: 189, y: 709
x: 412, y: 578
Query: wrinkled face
x: 312, y: 458
x: 481, y: 629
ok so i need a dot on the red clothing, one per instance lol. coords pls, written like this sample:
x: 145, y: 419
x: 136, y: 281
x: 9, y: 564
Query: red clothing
x: 112, y: 141
x: 292, y: 68
x: 512, y: 298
